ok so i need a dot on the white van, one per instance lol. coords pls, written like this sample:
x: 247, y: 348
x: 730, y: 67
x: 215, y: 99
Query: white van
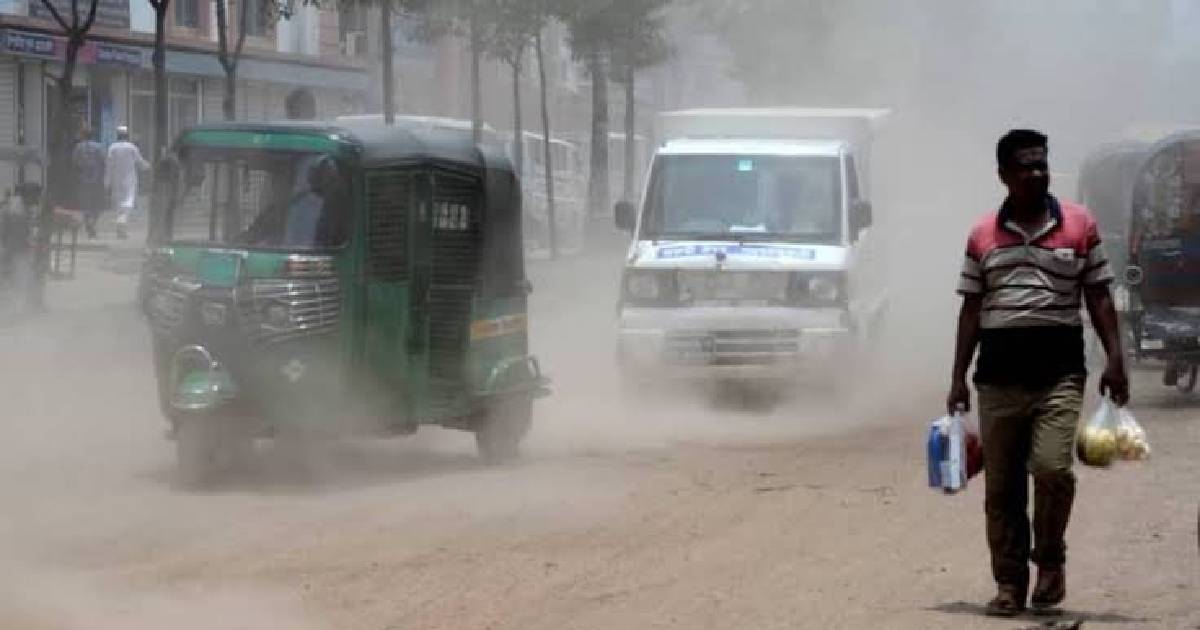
x: 570, y: 192
x: 751, y: 254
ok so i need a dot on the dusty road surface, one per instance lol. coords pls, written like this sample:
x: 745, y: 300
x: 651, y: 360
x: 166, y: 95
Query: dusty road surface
x: 682, y: 515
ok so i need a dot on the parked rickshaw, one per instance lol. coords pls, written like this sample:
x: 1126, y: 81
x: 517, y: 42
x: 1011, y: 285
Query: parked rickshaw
x: 1164, y: 258
x: 1106, y: 181
x: 329, y: 279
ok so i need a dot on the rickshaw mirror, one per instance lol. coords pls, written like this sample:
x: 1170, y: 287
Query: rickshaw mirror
x: 625, y: 216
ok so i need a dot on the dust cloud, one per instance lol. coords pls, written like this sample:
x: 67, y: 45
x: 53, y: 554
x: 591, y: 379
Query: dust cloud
x: 87, y: 473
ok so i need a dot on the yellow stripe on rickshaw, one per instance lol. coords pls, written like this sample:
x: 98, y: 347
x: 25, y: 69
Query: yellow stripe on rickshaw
x: 497, y: 327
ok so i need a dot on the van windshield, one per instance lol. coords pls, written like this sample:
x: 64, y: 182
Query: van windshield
x: 280, y: 200
x: 745, y: 197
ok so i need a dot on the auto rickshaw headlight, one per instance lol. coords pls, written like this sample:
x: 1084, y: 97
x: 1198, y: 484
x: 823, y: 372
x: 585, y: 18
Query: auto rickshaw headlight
x: 213, y: 314
x: 278, y: 316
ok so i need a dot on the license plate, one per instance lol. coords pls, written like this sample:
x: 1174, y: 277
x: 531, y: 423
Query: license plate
x: 1153, y: 344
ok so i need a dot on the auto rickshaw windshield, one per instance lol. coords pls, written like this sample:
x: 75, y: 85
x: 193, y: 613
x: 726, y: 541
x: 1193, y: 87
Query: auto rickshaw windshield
x: 270, y: 200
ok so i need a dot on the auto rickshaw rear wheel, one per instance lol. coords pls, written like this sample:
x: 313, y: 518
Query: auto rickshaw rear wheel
x: 1186, y: 380
x: 500, y: 429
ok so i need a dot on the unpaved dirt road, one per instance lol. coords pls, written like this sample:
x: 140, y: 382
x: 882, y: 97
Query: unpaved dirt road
x: 672, y: 515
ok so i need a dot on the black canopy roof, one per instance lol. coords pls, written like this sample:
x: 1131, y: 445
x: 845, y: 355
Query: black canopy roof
x: 379, y: 144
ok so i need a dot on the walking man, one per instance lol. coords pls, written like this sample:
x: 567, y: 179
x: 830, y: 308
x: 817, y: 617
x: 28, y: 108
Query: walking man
x: 121, y: 176
x: 89, y: 161
x: 1027, y: 266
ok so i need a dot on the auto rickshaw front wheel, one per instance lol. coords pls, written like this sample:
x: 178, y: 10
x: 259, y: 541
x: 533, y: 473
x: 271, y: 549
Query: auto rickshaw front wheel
x: 208, y: 445
x: 501, y: 427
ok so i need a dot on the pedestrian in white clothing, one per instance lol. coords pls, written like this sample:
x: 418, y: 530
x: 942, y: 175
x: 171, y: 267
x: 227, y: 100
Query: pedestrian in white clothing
x: 121, y: 176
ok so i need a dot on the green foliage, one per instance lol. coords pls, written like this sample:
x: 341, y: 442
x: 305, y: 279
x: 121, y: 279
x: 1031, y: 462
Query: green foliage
x: 629, y: 31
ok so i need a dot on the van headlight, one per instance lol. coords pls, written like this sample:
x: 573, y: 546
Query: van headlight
x: 648, y: 287
x: 824, y: 288
x: 643, y: 286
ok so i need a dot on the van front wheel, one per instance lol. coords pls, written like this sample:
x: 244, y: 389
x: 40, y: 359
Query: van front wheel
x: 502, y: 427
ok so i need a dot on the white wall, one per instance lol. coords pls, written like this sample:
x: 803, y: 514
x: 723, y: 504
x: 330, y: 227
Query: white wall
x: 14, y: 7
x: 300, y: 34
x: 141, y: 16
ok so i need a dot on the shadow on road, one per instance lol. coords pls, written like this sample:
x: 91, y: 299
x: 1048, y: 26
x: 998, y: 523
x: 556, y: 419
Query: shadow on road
x: 979, y: 610
x: 329, y: 467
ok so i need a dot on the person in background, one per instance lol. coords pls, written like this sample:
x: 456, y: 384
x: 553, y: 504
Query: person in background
x: 121, y: 175
x: 88, y: 159
x: 17, y: 217
x: 1028, y: 268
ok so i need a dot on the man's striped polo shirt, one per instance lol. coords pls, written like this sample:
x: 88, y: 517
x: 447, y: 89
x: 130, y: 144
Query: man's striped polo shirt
x: 1031, y: 325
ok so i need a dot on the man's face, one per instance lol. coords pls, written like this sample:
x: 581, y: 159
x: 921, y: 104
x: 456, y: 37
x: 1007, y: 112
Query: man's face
x: 1027, y: 175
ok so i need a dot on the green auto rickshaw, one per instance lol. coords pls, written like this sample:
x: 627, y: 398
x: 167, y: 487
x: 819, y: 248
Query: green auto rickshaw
x: 309, y: 279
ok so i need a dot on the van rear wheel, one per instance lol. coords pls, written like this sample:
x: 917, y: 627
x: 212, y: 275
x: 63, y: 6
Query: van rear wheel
x: 502, y: 427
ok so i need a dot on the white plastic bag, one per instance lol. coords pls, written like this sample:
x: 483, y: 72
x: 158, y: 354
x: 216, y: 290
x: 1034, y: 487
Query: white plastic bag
x: 1132, y: 444
x: 1096, y: 444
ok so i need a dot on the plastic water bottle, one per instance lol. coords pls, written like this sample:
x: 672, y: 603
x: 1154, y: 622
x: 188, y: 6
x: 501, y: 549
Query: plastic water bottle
x: 935, y: 451
x: 954, y: 477
x: 946, y: 454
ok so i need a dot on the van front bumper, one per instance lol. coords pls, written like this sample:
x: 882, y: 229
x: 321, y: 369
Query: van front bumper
x: 732, y: 342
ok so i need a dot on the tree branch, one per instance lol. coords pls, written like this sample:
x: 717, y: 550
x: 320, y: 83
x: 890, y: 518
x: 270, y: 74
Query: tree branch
x: 91, y: 18
x: 244, y: 10
x: 56, y: 15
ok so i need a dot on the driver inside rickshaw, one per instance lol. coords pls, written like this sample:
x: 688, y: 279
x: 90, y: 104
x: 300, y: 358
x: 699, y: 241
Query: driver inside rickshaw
x: 314, y: 213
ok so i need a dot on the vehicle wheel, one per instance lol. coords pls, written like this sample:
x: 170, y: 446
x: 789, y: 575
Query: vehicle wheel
x: 207, y: 446
x: 501, y: 428
x: 197, y: 449
x: 1186, y: 382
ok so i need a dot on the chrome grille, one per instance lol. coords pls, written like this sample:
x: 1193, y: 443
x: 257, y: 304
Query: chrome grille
x: 302, y: 307
x: 733, y: 347
x: 711, y: 285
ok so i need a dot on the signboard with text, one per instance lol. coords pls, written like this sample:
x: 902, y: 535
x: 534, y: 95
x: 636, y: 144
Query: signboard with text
x: 112, y: 14
x: 50, y: 47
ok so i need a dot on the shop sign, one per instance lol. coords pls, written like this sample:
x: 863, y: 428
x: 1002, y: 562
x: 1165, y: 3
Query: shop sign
x: 113, y: 55
x: 31, y: 44
x: 42, y: 46
x: 112, y: 14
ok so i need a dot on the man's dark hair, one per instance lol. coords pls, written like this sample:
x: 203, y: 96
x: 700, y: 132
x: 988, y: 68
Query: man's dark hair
x: 1017, y: 140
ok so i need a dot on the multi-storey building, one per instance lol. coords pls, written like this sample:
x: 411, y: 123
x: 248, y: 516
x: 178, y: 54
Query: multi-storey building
x: 309, y: 49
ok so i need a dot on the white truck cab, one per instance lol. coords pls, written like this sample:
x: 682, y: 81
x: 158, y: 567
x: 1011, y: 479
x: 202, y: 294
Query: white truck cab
x: 750, y: 249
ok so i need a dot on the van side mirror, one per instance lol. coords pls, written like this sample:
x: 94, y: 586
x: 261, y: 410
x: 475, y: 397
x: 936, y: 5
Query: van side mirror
x: 861, y: 216
x: 625, y: 216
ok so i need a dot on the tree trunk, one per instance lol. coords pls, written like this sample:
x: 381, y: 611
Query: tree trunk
x: 389, y: 90
x: 159, y: 62
x: 599, y: 195
x: 547, y: 162
x: 476, y: 88
x: 229, y: 100
x: 518, y: 130
x: 630, y: 128
x: 58, y: 179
